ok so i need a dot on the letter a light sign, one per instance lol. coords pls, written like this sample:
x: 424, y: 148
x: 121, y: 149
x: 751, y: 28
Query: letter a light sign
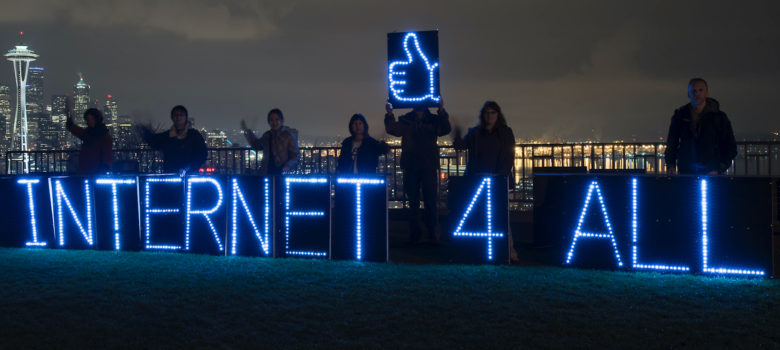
x: 413, y: 69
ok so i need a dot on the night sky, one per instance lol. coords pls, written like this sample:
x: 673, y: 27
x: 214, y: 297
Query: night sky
x: 561, y: 70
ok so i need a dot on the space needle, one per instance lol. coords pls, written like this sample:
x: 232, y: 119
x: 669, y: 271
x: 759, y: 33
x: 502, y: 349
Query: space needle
x: 21, y: 57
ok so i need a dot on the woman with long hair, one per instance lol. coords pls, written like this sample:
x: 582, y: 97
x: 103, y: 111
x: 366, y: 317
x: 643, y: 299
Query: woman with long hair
x: 360, y: 152
x: 491, y: 146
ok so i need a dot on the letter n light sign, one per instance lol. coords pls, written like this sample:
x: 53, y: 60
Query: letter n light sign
x: 413, y: 69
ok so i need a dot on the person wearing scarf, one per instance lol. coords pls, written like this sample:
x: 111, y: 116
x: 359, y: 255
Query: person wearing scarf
x: 95, y: 155
x: 183, y: 147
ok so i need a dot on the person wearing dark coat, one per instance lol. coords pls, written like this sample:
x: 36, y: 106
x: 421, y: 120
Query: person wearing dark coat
x: 491, y: 144
x: 491, y: 150
x: 701, y: 140
x: 419, y: 131
x: 183, y: 147
x: 360, y: 152
x: 95, y: 155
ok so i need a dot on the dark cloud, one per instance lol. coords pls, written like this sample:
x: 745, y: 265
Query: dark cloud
x: 560, y: 69
x: 192, y: 19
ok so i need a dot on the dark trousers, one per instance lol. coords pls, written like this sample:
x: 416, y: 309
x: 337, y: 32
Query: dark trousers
x: 414, y: 181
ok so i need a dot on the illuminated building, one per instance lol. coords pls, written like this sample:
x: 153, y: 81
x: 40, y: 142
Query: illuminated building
x: 81, y: 100
x: 216, y: 138
x: 59, y: 116
x: 49, y: 132
x: 35, y: 100
x: 21, y: 57
x: 6, y: 118
x: 124, y: 136
x: 111, y: 113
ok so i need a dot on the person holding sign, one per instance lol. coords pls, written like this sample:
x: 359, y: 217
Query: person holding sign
x: 491, y: 146
x: 182, y: 146
x: 419, y: 130
x: 279, y: 146
x: 360, y: 152
x: 95, y: 155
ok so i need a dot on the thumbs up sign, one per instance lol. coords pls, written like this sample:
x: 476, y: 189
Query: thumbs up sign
x: 414, y: 68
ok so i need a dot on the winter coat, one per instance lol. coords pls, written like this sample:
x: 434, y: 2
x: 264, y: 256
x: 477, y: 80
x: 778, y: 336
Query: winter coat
x: 95, y: 155
x: 489, y: 152
x: 180, y: 151
x: 367, y: 156
x: 284, y: 148
x: 418, y: 137
x: 710, y: 146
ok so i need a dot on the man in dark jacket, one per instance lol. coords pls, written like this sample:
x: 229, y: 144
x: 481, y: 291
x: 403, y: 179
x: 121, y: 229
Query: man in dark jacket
x: 419, y: 130
x: 701, y: 140
x: 183, y: 147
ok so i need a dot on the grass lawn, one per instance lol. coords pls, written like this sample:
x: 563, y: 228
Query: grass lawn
x: 78, y: 299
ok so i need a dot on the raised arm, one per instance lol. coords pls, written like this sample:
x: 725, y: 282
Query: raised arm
x: 458, y: 141
x: 251, y: 138
x: 392, y: 126
x: 74, y: 128
x: 154, y: 140
x: 443, y: 126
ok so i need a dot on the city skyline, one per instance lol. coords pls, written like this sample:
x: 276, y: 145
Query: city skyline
x: 557, y: 75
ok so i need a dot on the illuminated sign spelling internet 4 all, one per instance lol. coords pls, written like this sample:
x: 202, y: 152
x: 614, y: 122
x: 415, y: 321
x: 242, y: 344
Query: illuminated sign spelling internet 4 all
x: 642, y: 223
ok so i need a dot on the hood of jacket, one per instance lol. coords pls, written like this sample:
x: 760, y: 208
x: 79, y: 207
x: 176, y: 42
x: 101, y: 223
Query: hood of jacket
x: 712, y: 106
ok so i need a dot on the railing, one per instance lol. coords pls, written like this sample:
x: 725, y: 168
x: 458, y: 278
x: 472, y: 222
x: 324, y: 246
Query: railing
x: 753, y: 159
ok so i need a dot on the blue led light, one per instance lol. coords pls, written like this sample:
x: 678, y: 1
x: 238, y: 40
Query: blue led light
x: 307, y: 253
x: 634, y: 238
x: 31, y: 201
x: 394, y: 74
x: 705, y: 243
x: 115, y: 204
x: 486, y: 185
x: 288, y: 181
x: 160, y: 211
x: 579, y: 234
x: 204, y: 212
x: 61, y: 196
x: 264, y: 237
x: 359, y: 209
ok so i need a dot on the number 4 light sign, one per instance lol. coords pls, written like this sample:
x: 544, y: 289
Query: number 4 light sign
x: 413, y: 69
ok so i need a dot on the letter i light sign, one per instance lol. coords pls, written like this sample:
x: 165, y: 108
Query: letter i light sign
x: 413, y: 69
